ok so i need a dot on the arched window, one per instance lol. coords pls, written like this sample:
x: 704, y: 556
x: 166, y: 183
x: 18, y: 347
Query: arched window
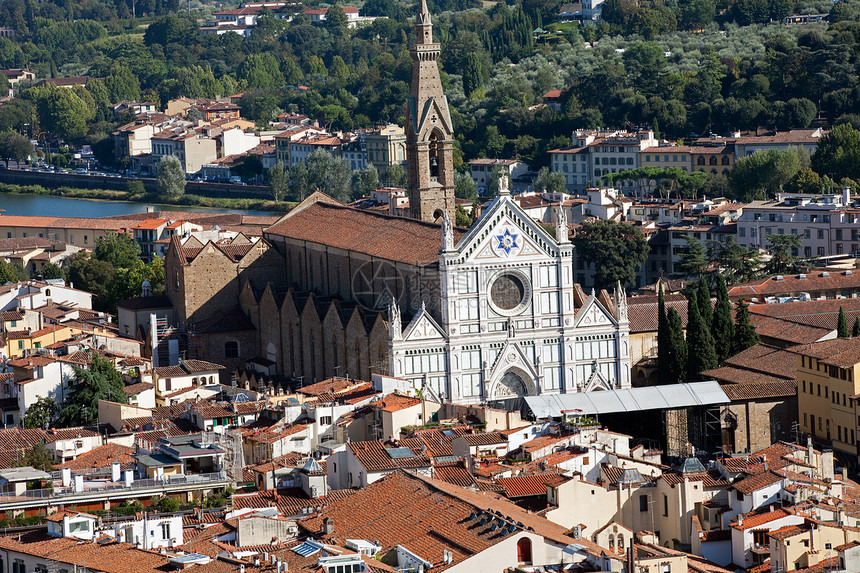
x: 714, y: 171
x: 726, y: 172
x: 700, y: 160
x: 194, y: 381
x: 713, y: 160
x: 620, y: 543
x: 612, y: 542
x: 524, y: 550
x: 435, y: 154
x: 725, y: 160
x: 231, y: 349
x: 47, y: 292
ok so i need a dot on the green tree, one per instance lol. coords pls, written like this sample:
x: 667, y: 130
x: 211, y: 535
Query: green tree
x: 329, y: 174
x: 365, y: 181
x: 723, y: 329
x: 701, y: 351
x: 9, y: 273
x: 61, y: 111
x: 617, y: 251
x: 15, y: 146
x: 784, y: 250
x: 40, y: 415
x: 855, y: 330
x: 549, y: 181
x: 464, y: 186
x: 842, y: 330
x: 662, y: 338
x: 693, y: 260
x: 118, y: 249
x: 703, y: 297
x: 122, y: 84
x: 393, y: 176
x: 336, y: 21
x: 91, y: 275
x: 101, y: 381
x: 739, y: 263
x: 261, y: 71
x: 473, y: 75
x: 745, y: 334
x: 676, y: 359
x: 838, y: 153
x: 279, y: 181
x: 763, y: 173
x: 38, y: 457
x: 52, y: 271
x: 171, y: 177
x: 167, y: 504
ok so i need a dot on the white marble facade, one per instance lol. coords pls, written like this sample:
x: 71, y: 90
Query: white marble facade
x: 513, y: 321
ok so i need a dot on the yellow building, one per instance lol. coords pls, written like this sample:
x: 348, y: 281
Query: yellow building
x: 664, y: 157
x: 386, y: 146
x: 20, y: 341
x: 827, y: 374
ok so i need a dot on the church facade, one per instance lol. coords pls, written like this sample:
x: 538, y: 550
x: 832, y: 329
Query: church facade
x: 464, y: 316
x: 511, y: 320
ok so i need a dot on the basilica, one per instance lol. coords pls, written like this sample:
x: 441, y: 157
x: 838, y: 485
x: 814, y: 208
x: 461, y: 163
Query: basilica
x: 462, y: 315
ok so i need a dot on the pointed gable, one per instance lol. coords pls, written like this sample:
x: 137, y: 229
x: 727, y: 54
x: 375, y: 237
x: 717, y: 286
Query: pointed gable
x: 505, y: 232
x: 423, y: 327
x: 593, y: 313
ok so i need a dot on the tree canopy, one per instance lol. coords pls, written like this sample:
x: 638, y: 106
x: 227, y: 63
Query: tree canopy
x: 101, y: 381
x: 616, y: 250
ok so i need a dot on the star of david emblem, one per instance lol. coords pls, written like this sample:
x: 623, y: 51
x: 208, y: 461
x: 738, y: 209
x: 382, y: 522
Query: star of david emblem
x: 507, y: 241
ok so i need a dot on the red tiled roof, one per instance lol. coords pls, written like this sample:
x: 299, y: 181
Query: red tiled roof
x: 752, y: 520
x: 103, y: 457
x: 524, y: 486
x: 840, y: 352
x: 383, y: 236
x: 396, y: 402
x: 374, y: 456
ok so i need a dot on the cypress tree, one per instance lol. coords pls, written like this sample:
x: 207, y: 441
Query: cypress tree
x: 662, y: 339
x: 842, y: 325
x: 722, y: 326
x: 855, y: 331
x: 703, y: 297
x: 677, y: 348
x: 745, y: 334
x: 701, y: 354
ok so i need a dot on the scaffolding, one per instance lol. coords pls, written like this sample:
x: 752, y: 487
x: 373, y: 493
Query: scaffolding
x: 234, y: 455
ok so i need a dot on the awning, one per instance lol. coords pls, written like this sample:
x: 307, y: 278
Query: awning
x: 664, y: 397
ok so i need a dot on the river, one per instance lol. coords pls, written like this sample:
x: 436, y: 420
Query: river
x: 53, y: 206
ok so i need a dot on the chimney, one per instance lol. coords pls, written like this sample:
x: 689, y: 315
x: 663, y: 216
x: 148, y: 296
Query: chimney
x: 846, y: 195
x: 328, y: 526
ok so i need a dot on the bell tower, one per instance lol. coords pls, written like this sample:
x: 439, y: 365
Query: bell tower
x: 429, y: 134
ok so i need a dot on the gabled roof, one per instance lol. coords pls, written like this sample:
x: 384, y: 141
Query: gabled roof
x: 320, y: 219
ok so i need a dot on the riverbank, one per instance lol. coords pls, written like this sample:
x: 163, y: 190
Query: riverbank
x: 188, y: 200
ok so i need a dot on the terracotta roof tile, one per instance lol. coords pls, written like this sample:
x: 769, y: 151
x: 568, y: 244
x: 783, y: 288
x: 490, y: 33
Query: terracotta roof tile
x: 383, y: 236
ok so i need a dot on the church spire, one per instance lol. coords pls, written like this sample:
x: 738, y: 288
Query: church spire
x: 429, y: 136
x: 423, y: 19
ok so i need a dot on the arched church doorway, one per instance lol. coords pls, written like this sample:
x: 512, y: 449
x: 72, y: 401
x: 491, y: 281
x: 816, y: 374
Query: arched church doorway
x: 510, y: 385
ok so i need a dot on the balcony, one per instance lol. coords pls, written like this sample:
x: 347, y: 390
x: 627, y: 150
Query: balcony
x: 103, y: 489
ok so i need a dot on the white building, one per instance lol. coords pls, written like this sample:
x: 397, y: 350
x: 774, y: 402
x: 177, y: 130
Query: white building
x: 513, y: 322
x: 825, y: 223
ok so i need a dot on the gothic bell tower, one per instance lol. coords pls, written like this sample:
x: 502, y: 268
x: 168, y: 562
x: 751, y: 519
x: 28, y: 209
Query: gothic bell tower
x: 429, y: 134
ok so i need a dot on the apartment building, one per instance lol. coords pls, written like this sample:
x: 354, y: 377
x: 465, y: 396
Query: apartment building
x: 482, y: 170
x: 717, y: 159
x: 386, y: 146
x: 598, y: 153
x: 826, y: 224
x: 192, y: 147
x: 827, y: 378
